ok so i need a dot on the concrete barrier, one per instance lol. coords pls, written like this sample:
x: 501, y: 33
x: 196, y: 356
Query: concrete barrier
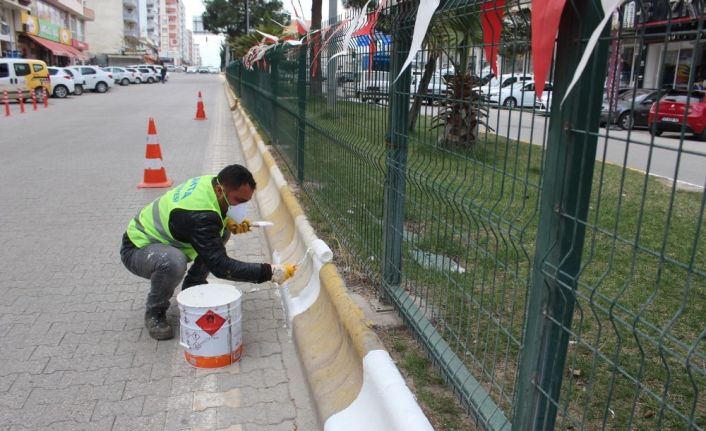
x: 352, y: 378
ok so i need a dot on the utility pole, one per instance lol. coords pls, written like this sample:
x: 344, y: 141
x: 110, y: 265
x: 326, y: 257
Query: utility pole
x: 331, y: 66
x: 247, y: 18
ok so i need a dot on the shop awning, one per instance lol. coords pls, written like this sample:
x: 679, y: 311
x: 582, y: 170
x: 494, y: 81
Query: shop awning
x: 77, y: 53
x: 56, y: 47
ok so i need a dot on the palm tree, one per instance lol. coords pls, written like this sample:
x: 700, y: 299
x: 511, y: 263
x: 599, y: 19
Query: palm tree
x: 456, y: 33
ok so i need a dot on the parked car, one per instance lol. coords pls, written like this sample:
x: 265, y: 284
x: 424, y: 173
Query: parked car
x: 203, y: 69
x: 148, y: 75
x: 374, y: 86
x: 94, y: 78
x: 496, y: 83
x: 79, y: 82
x: 436, y: 89
x: 25, y: 75
x: 678, y: 109
x: 120, y: 75
x: 214, y: 69
x: 192, y: 69
x: 631, y: 108
x: 136, y: 75
x: 522, y: 94
x: 62, y: 82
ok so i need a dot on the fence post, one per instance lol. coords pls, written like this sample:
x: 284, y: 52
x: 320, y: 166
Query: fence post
x: 274, y: 92
x: 566, y: 191
x: 396, y: 160
x: 301, y: 111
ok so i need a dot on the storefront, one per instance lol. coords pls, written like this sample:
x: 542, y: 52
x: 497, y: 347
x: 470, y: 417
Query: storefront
x: 49, y: 42
x: 674, y: 47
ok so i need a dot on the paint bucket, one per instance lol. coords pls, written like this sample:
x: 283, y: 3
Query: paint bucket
x: 210, y: 326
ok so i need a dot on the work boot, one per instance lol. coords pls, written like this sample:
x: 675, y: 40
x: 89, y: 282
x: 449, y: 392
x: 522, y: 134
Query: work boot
x: 157, y: 326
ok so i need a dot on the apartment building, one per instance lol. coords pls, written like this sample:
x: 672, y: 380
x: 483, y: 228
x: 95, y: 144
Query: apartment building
x: 50, y: 31
x: 119, y: 33
x: 172, y: 28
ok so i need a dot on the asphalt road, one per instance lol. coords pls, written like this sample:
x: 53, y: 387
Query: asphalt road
x: 665, y: 156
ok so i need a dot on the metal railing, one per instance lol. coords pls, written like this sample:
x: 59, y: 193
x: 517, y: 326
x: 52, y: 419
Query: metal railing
x: 550, y: 258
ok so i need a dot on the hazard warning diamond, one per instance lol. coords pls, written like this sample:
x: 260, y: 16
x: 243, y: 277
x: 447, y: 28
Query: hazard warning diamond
x: 210, y: 322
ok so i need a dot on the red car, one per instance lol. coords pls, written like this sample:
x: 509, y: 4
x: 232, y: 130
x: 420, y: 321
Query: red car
x: 673, y: 114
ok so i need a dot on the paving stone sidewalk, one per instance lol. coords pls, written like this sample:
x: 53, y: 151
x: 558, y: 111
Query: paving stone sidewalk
x: 73, y: 349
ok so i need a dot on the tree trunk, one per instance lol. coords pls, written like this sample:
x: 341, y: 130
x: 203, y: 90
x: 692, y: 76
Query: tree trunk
x: 317, y: 41
x: 429, y: 69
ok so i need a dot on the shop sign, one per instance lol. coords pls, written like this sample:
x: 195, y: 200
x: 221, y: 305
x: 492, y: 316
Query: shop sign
x: 30, y: 22
x: 48, y: 30
x: 65, y: 36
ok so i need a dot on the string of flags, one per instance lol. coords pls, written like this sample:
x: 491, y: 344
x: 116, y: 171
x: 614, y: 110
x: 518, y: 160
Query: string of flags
x: 546, y: 15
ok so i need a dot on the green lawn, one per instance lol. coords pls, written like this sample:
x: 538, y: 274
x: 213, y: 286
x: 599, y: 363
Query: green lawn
x: 634, y: 356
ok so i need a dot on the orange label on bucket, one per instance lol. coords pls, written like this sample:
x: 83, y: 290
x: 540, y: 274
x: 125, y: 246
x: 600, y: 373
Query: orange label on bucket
x: 210, y: 322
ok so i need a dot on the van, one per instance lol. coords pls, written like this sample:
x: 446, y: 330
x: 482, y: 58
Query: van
x: 25, y: 75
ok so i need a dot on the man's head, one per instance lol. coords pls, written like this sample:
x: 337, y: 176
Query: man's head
x: 234, y: 185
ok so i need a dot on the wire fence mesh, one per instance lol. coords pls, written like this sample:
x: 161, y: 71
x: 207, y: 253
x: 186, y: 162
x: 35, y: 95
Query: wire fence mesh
x: 550, y: 257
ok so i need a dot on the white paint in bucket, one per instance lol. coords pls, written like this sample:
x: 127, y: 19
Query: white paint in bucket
x: 210, y: 325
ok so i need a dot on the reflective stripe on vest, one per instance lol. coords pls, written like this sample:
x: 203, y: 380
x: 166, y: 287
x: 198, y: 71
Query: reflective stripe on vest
x: 151, y: 224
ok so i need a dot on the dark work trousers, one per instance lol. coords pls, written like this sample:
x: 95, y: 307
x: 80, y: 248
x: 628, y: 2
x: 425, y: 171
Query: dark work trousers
x: 164, y: 266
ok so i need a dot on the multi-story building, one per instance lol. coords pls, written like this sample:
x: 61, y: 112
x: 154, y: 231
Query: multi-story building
x: 52, y: 31
x: 195, y: 53
x: 187, y: 45
x: 152, y: 22
x: 10, y: 25
x: 116, y: 36
x: 171, y: 25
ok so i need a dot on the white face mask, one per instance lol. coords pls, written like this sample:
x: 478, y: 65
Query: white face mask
x: 237, y: 212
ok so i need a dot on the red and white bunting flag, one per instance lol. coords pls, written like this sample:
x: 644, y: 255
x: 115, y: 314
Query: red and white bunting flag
x: 491, y: 15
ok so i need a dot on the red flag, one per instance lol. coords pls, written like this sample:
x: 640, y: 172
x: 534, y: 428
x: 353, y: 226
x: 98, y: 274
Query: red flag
x: 368, y: 30
x: 491, y: 14
x: 546, y: 15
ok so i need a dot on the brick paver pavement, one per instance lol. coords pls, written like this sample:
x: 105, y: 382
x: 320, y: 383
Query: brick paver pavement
x: 73, y: 349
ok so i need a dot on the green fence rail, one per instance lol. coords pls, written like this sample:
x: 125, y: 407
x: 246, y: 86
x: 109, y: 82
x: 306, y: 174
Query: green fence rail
x: 549, y: 257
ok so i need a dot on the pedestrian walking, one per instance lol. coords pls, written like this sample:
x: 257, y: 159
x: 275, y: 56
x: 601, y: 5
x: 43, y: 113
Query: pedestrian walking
x: 163, y: 73
x: 192, y: 222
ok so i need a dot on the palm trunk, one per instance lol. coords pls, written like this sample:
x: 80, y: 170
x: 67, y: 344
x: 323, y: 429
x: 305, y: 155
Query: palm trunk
x: 429, y: 69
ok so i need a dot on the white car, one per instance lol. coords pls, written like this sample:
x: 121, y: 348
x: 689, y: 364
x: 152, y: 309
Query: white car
x: 496, y: 83
x: 135, y: 75
x: 120, y: 74
x: 521, y: 94
x: 95, y: 78
x: 148, y: 75
x: 192, y: 69
x: 62, y: 82
x: 79, y: 82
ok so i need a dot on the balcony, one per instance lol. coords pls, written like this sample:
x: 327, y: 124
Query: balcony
x: 131, y: 33
x: 132, y: 4
x: 130, y: 16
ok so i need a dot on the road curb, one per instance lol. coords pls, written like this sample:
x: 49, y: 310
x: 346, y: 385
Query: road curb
x: 352, y: 378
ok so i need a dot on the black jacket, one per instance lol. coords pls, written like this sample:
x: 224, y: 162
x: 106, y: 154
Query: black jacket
x: 202, y: 229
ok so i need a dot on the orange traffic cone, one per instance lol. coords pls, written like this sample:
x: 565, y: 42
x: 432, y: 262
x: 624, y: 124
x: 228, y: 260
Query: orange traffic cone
x: 155, y: 175
x: 200, y: 113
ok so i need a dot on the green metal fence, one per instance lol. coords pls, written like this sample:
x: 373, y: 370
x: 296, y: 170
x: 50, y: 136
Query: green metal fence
x: 542, y: 253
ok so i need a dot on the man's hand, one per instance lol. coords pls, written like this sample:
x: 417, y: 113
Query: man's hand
x: 237, y: 228
x: 283, y: 272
